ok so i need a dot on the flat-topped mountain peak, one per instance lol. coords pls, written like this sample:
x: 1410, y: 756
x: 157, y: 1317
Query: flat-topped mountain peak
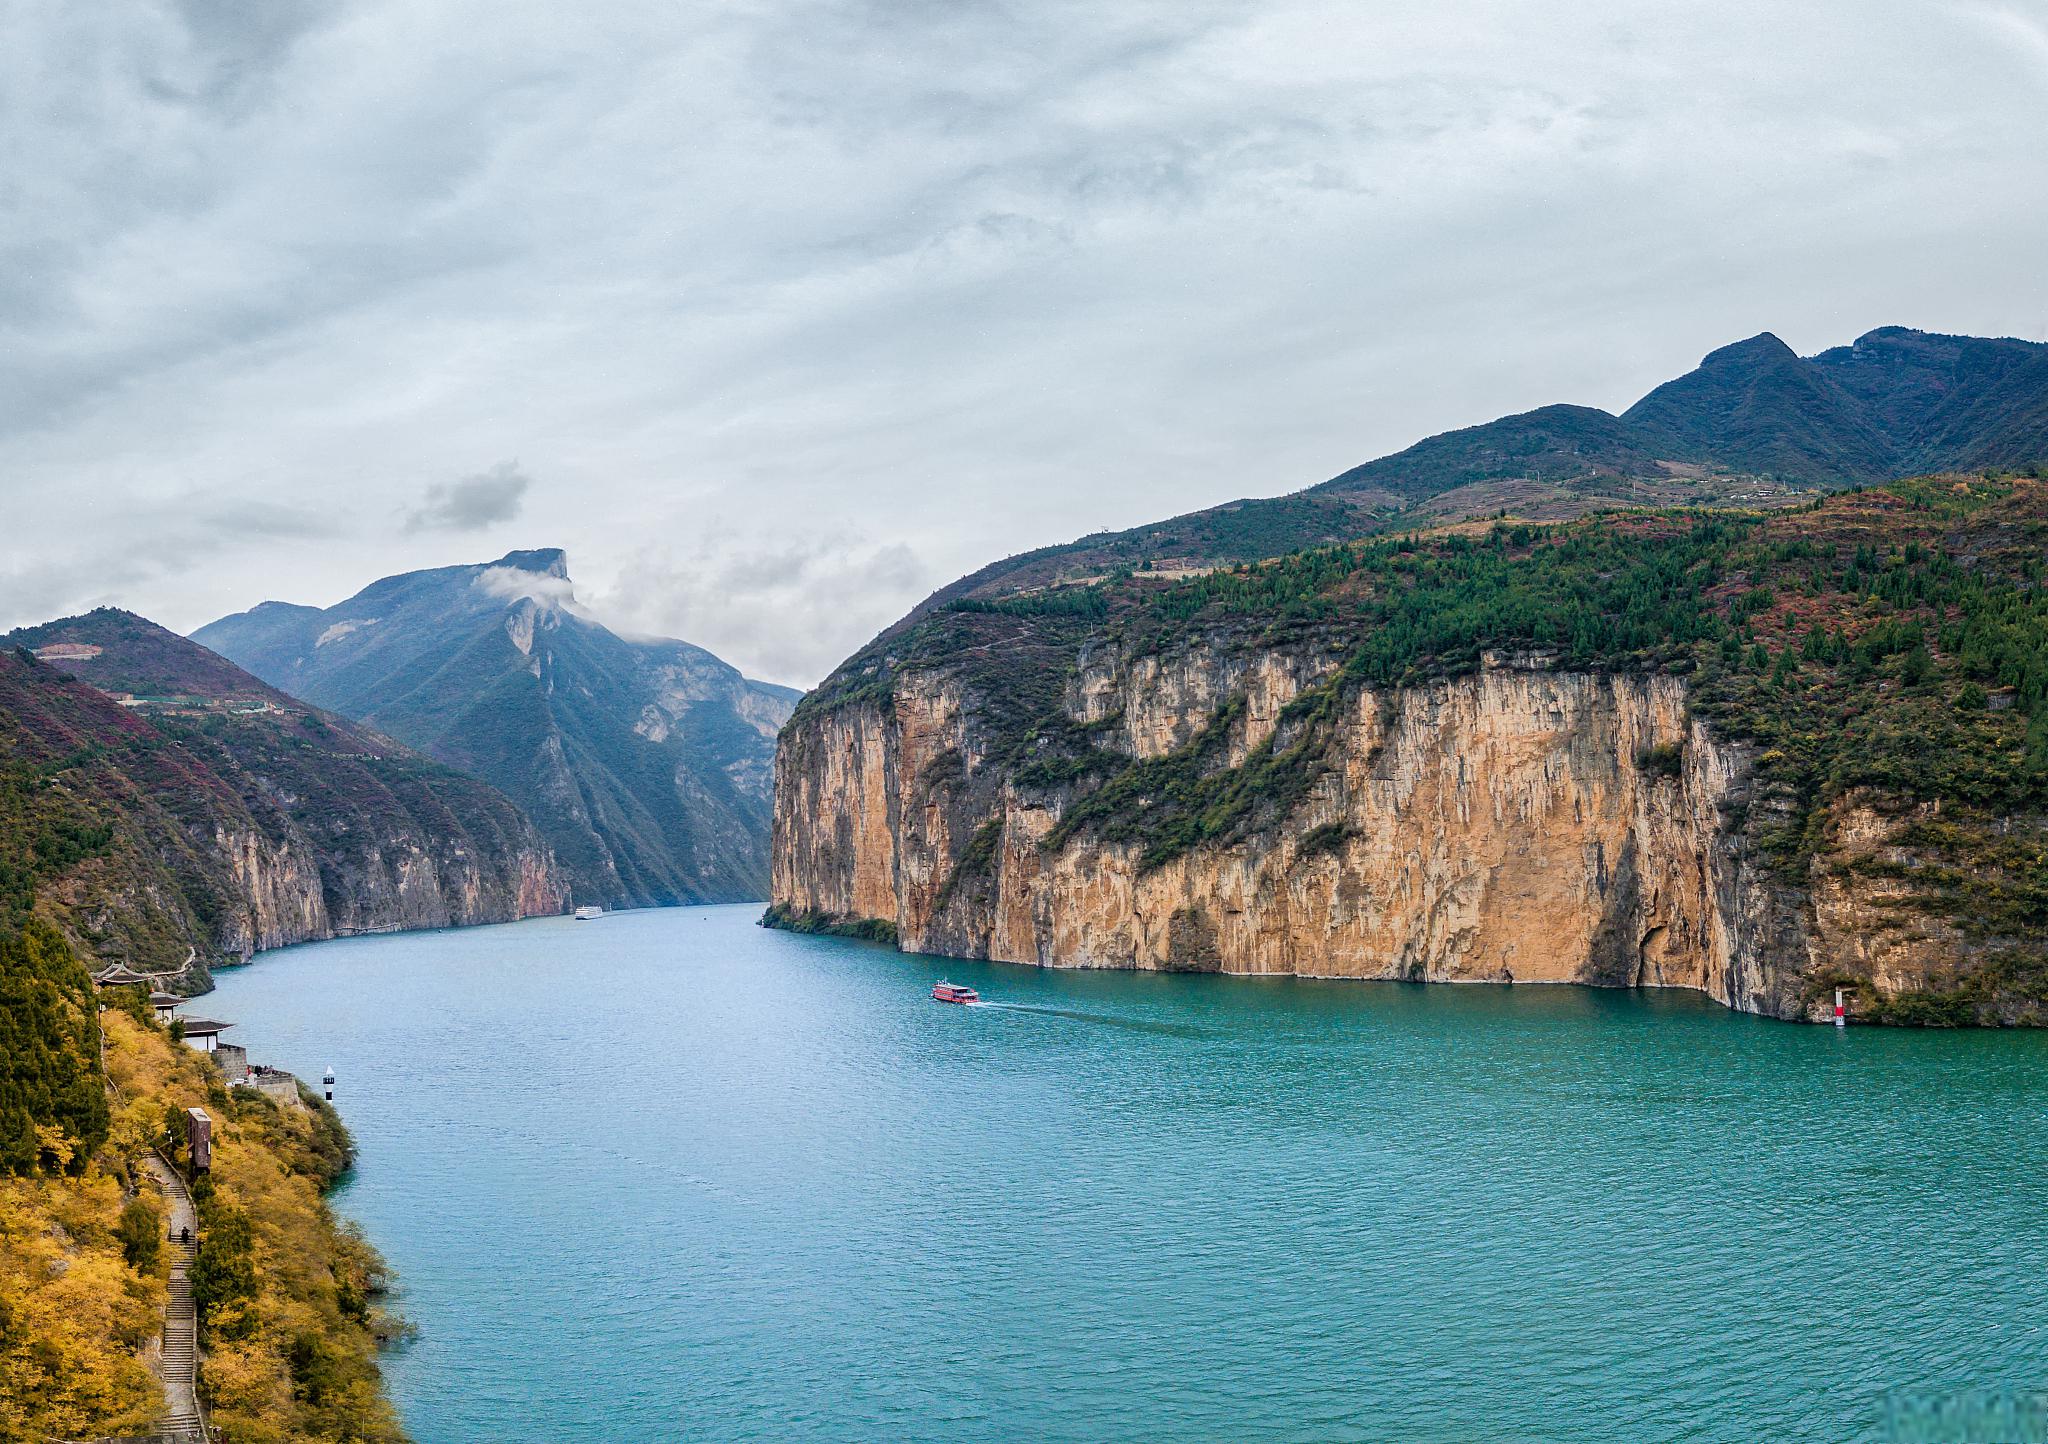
x: 549, y: 561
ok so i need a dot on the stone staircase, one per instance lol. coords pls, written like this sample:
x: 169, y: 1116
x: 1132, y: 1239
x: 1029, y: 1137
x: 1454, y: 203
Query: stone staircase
x: 182, y: 1419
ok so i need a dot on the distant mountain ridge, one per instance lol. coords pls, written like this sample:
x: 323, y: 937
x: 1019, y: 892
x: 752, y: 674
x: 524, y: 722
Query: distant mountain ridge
x: 1754, y: 424
x: 647, y: 764
x: 1894, y: 403
x: 224, y: 816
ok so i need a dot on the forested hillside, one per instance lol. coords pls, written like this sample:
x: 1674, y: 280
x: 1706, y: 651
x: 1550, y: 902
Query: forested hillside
x: 292, y: 1313
x: 1754, y: 425
x: 213, y: 815
x: 290, y: 1299
x: 53, y: 1112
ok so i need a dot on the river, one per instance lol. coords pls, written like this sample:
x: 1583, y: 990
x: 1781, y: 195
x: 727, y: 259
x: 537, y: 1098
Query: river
x: 669, y: 1175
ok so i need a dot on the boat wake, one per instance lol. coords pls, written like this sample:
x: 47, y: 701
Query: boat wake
x: 1106, y: 1020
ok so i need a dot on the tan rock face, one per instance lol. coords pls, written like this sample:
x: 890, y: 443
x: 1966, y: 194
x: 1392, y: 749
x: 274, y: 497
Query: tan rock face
x: 281, y: 898
x: 1503, y: 826
x: 284, y: 889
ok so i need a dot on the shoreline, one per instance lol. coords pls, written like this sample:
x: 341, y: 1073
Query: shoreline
x: 238, y: 964
x: 882, y: 933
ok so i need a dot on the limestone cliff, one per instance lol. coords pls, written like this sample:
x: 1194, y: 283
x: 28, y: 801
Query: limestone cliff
x: 1491, y: 828
x: 293, y: 888
x: 1270, y: 811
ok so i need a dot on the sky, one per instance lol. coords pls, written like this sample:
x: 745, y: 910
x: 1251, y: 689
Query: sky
x: 779, y: 314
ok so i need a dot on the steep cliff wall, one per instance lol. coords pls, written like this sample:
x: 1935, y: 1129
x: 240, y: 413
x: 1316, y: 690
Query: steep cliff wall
x: 293, y: 887
x: 1497, y: 827
x: 1323, y: 767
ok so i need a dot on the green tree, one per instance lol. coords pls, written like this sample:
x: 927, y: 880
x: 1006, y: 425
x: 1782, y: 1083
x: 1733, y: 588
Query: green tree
x: 172, y: 1138
x: 141, y: 1232
x: 224, y: 1274
x: 49, y: 1052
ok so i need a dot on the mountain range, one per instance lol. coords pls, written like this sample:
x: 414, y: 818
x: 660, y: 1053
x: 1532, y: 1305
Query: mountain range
x: 1893, y: 403
x: 646, y: 764
x: 1755, y: 424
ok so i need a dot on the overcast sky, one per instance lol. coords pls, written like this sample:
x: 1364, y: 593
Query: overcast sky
x: 779, y: 314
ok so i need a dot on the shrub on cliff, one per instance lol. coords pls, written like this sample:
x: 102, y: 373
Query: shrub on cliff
x: 794, y: 920
x: 1663, y: 759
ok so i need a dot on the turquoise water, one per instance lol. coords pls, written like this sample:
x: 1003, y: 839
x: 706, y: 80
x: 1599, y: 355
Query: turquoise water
x: 670, y: 1175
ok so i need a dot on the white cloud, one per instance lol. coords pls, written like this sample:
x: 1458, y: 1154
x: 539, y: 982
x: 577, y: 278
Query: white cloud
x: 742, y: 284
x: 737, y: 593
x: 2026, y: 34
x: 516, y: 584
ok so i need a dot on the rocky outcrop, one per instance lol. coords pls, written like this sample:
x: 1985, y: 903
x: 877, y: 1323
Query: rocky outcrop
x: 252, y: 889
x: 1512, y: 825
x: 293, y: 890
x: 278, y: 887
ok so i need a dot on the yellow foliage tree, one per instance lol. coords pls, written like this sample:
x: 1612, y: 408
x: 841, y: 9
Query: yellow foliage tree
x: 73, y: 1317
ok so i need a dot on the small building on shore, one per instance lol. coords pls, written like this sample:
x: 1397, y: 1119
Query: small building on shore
x: 278, y: 1086
x: 202, y: 1033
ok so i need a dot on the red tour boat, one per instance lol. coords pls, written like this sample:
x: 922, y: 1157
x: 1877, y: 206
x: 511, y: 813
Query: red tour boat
x: 954, y: 993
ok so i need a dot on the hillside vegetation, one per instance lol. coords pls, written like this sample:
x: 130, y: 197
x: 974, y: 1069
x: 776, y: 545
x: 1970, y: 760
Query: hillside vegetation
x: 53, y: 1112
x: 76, y: 1306
x: 215, y: 815
x: 291, y: 1321
x: 1753, y: 425
x: 288, y: 1296
x: 76, y: 1312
